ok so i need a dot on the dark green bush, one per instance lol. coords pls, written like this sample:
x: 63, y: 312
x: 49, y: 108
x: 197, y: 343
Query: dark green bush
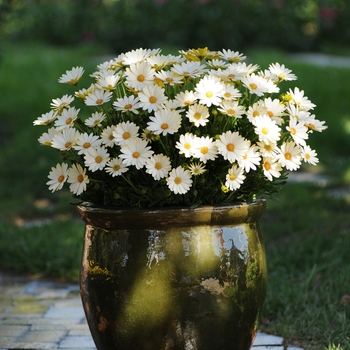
x: 293, y: 25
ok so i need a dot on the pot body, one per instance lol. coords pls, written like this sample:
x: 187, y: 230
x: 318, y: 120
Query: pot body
x: 173, y: 278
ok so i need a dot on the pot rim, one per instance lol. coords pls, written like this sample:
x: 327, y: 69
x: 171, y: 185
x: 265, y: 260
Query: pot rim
x: 115, y: 218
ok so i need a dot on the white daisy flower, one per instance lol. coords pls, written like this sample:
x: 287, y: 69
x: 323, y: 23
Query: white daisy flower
x: 78, y: 179
x: 231, y: 108
x: 107, y: 136
x: 198, y: 114
x: 231, y: 56
x: 267, y: 129
x: 234, y: 178
x: 179, y: 180
x: 109, y: 82
x: 158, y: 166
x: 231, y: 93
x: 300, y: 100
x: 187, y: 144
x: 256, y: 110
x: 66, y: 139
x: 290, y: 155
x: 271, y: 167
x: 96, y: 119
x: 309, y: 155
x: 197, y: 169
x: 205, y: 149
x: 116, y: 167
x: 86, y: 141
x: 46, y: 118
x: 139, y: 75
x: 298, y: 114
x: 124, y: 132
x: 281, y: 72
x: 127, y: 104
x: 233, y: 72
x: 82, y: 93
x: 67, y: 118
x: 98, y: 97
x: 209, y: 90
x: 169, y: 77
x: 58, y: 176
x: 151, y: 98
x: 191, y: 69
x: 46, y: 138
x: 72, y: 76
x: 158, y: 62
x: 274, y: 109
x: 315, y: 124
x: 298, y: 131
x: 96, y: 158
x: 232, y: 146
x: 267, y: 149
x: 256, y: 84
x: 165, y: 122
x: 136, y: 153
x: 250, y: 159
x: 138, y: 55
x: 59, y: 104
x: 185, y: 98
x: 218, y: 64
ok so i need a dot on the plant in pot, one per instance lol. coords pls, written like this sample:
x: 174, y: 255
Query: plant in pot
x: 170, y: 157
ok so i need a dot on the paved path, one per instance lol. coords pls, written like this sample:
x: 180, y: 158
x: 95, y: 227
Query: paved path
x: 36, y: 314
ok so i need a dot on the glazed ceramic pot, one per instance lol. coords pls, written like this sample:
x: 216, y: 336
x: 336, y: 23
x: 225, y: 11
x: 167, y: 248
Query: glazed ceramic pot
x: 173, y: 278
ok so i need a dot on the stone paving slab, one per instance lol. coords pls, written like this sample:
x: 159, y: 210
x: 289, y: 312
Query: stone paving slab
x: 37, y: 314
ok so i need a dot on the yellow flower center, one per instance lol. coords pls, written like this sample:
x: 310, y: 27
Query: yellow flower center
x: 68, y: 121
x: 187, y: 145
x: 267, y: 166
x: 126, y: 135
x: 164, y: 126
x: 136, y: 154
x: 153, y: 99
x: 158, y: 166
x: 265, y: 131
x: 232, y: 177
x: 141, y: 78
x: 169, y: 80
x: 288, y: 156
x: 307, y: 156
x: 230, y: 147
x: 209, y: 94
x: 255, y: 113
x: 177, y: 180
x: 99, y: 101
x: 68, y: 145
x: 60, y: 178
x: 98, y: 159
x: 293, y: 131
x: 86, y: 145
x: 204, y: 150
x: 116, y: 167
x: 231, y: 111
x: 270, y: 114
x: 253, y: 86
x: 80, y: 178
x: 227, y: 95
x: 197, y: 116
x: 128, y: 106
x: 231, y: 76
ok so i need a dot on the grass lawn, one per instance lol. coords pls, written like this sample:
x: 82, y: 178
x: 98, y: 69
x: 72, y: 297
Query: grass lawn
x: 306, y: 230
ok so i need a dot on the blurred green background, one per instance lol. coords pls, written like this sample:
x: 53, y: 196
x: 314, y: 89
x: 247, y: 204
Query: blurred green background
x: 306, y: 229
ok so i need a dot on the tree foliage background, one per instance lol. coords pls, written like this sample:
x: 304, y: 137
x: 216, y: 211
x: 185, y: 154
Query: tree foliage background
x: 292, y: 25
